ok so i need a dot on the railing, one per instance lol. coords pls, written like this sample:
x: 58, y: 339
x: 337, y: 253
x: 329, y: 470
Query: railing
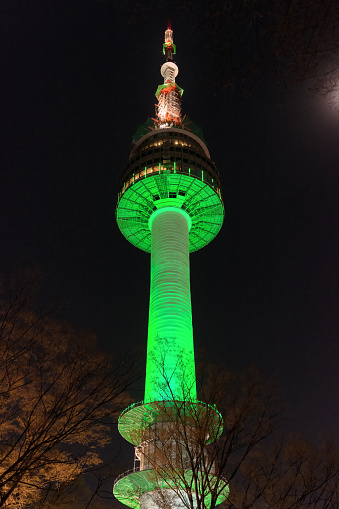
x: 188, y: 402
x: 125, y: 474
x: 133, y: 470
x: 202, y: 175
x: 133, y: 405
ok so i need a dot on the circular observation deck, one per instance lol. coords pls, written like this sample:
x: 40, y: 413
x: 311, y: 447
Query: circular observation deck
x: 137, y: 420
x: 132, y: 485
x: 170, y: 168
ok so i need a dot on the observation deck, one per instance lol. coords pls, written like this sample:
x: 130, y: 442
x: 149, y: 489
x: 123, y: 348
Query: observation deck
x: 139, y: 417
x: 167, y: 435
x: 170, y: 167
x: 130, y: 486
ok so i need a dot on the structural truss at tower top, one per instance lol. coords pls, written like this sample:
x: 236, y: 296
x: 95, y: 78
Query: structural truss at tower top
x: 168, y: 109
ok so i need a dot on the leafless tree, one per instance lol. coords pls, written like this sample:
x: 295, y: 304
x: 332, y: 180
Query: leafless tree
x: 59, y: 397
x: 226, y: 451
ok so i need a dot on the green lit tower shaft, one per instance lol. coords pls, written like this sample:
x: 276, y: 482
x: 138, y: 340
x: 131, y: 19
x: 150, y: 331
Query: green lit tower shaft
x: 170, y: 369
x: 169, y: 204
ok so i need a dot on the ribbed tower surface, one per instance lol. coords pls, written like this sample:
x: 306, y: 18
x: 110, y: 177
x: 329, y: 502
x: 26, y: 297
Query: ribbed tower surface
x: 169, y: 205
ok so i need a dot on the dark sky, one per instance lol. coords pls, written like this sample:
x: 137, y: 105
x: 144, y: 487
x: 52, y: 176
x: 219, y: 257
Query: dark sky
x: 78, y: 77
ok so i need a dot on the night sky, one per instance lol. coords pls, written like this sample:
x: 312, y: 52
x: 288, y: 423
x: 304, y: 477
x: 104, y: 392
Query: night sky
x: 77, y: 78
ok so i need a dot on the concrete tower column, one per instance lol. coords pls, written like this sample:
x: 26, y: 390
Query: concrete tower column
x: 170, y: 369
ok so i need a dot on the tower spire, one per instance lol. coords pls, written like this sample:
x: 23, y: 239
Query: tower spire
x: 168, y: 109
x: 169, y: 48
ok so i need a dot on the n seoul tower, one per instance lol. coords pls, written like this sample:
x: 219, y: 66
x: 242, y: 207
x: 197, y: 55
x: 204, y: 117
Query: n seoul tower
x: 169, y: 205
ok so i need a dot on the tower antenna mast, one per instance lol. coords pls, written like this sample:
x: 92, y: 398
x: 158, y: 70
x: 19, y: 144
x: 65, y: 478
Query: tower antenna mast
x: 169, y: 94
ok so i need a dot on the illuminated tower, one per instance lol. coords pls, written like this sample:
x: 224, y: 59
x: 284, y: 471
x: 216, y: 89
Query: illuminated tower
x: 169, y: 205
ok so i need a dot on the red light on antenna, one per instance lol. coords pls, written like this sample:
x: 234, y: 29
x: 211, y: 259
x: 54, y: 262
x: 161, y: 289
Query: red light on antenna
x: 169, y: 25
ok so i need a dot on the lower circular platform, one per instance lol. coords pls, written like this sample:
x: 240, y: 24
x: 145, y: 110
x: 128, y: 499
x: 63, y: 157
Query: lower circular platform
x: 202, y: 203
x: 195, y: 414
x: 130, y: 486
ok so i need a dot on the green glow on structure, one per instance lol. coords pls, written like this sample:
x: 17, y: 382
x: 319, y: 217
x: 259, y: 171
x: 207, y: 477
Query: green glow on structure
x: 164, y: 209
x: 201, y: 201
x: 170, y: 368
x: 166, y: 85
x: 170, y: 215
x: 136, y: 418
x: 128, y: 489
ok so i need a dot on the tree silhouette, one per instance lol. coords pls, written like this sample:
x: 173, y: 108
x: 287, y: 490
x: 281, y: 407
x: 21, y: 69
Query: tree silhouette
x: 230, y: 449
x: 59, y: 397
